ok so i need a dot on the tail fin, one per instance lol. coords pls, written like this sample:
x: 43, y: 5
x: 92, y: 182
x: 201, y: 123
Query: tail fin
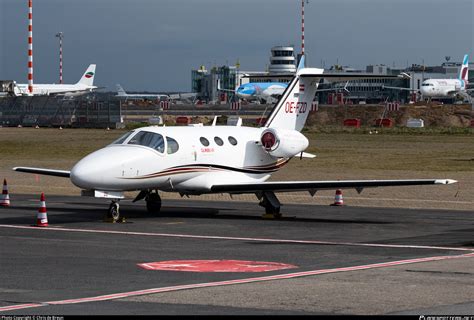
x: 120, y: 90
x: 88, y: 77
x: 292, y: 110
x: 464, y: 73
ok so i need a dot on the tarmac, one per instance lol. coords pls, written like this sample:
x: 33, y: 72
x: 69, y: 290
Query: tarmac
x: 338, y: 260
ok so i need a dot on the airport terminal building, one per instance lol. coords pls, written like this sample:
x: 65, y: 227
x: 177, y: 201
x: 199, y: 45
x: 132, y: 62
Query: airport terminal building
x: 282, y: 65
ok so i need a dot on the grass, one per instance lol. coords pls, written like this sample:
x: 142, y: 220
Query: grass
x: 353, y: 150
x: 340, y: 155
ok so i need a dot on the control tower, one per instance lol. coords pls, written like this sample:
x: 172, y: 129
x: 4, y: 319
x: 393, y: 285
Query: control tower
x: 282, y: 60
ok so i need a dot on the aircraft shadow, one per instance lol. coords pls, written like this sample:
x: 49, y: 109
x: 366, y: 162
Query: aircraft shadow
x: 68, y: 215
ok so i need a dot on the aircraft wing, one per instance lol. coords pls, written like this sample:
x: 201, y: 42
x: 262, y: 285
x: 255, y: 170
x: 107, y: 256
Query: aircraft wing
x: 46, y: 172
x: 313, y: 186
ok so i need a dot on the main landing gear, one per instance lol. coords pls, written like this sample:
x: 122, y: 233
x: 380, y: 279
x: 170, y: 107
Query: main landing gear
x: 270, y: 202
x: 152, y: 198
x: 153, y: 202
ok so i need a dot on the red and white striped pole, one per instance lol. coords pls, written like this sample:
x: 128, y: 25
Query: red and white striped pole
x: 30, y: 46
x: 60, y: 36
x: 302, y: 27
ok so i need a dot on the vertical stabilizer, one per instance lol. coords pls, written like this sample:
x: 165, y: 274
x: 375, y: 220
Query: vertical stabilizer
x: 88, y: 77
x: 120, y: 91
x: 464, y: 73
x: 292, y: 110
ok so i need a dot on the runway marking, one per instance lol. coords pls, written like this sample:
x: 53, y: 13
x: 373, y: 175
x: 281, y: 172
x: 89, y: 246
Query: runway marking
x: 216, y: 266
x: 189, y: 236
x: 129, y: 294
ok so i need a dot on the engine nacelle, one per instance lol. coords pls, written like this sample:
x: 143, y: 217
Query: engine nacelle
x: 282, y: 143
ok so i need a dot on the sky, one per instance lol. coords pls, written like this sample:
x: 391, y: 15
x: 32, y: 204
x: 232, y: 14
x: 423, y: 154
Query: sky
x: 152, y: 45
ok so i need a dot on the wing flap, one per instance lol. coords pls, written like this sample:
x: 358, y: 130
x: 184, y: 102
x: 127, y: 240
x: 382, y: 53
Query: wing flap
x: 46, y: 172
x: 312, y: 186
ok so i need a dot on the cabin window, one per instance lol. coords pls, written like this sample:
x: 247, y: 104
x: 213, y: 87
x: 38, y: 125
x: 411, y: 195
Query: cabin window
x: 204, y: 141
x: 149, y: 139
x: 232, y: 141
x: 218, y: 141
x: 123, y: 138
x: 172, y: 145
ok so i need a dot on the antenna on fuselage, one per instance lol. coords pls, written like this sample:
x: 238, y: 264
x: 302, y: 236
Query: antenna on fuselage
x: 214, y: 122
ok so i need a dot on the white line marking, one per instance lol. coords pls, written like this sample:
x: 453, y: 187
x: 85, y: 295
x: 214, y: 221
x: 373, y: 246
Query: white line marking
x: 188, y: 236
x: 232, y: 282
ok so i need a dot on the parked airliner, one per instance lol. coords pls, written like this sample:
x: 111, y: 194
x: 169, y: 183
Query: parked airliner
x: 447, y: 87
x: 262, y: 91
x: 139, y: 96
x: 198, y: 160
x: 267, y: 91
x: 84, y: 85
x: 442, y: 88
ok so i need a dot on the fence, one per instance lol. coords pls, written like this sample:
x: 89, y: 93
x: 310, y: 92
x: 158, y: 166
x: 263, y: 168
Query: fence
x: 52, y: 111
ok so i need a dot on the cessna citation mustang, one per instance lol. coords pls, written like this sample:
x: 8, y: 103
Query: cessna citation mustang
x: 197, y: 160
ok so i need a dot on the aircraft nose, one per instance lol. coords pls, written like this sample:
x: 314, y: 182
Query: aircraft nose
x: 87, y: 174
x: 109, y: 168
x: 99, y: 169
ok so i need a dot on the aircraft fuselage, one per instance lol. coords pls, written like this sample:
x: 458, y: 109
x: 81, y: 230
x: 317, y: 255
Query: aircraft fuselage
x: 181, y: 159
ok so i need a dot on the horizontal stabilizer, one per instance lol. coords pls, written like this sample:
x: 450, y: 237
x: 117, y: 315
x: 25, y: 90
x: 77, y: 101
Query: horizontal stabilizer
x: 46, y: 172
x: 294, y: 186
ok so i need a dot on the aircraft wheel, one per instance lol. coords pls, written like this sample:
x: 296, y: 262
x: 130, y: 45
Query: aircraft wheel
x: 114, y: 211
x: 273, y: 211
x: 153, y: 203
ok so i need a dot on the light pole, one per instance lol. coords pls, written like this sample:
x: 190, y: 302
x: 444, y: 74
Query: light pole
x: 60, y: 35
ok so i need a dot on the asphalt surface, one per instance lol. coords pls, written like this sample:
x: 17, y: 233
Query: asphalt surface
x: 347, y: 260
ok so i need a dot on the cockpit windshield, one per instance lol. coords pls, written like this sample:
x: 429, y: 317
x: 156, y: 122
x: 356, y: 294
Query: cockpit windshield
x: 427, y: 84
x: 123, y: 138
x: 149, y: 139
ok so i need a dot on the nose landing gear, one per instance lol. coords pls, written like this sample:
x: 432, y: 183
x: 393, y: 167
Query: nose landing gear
x: 113, y: 214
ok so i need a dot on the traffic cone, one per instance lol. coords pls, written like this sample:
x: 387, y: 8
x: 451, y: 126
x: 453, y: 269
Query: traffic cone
x: 5, y: 198
x: 338, y: 198
x: 42, y: 217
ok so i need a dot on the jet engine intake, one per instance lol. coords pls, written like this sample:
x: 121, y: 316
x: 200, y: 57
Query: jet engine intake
x: 282, y: 143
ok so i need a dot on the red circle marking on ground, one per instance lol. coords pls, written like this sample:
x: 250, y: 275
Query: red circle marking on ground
x: 216, y: 266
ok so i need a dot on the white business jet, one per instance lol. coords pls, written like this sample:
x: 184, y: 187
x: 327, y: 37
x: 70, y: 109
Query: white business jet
x: 198, y: 160
x: 83, y: 86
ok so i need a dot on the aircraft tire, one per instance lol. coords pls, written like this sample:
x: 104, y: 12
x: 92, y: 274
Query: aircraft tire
x: 114, y: 211
x: 273, y: 211
x: 153, y: 203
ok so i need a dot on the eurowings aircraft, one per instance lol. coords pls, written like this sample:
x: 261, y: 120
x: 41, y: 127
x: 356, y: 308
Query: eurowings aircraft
x: 198, y: 160
x: 442, y: 88
x: 84, y: 85
x: 448, y: 87
x: 138, y: 96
